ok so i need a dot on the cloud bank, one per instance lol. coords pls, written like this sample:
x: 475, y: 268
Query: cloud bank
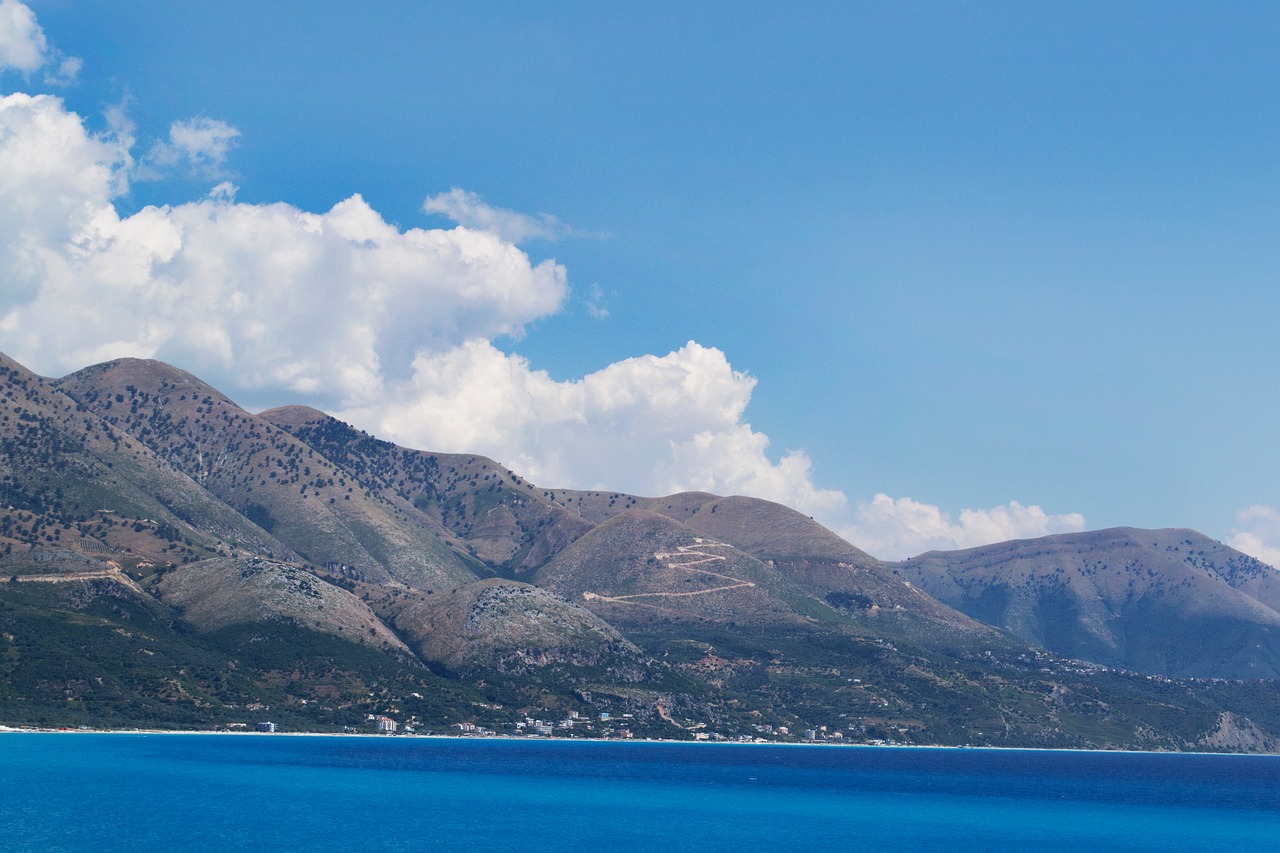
x: 332, y: 304
x: 394, y: 330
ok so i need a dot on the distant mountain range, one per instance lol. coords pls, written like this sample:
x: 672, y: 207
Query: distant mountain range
x: 176, y: 561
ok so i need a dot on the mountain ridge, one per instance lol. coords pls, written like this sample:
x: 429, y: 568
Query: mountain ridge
x: 289, y: 560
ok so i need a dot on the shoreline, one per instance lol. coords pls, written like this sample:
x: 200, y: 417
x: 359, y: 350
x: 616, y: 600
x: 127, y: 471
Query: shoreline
x: 32, y: 730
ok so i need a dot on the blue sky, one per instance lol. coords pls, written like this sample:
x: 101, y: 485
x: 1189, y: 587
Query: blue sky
x: 956, y: 254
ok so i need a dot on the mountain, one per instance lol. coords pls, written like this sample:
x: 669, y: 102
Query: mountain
x: 76, y: 490
x: 640, y: 566
x: 1170, y: 602
x: 176, y: 561
x: 818, y: 561
x: 518, y: 529
x: 488, y: 512
x: 214, y: 594
x: 321, y: 512
x: 506, y: 626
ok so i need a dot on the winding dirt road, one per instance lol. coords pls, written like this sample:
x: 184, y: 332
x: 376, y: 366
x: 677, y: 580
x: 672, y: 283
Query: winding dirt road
x: 114, y: 574
x: 690, y: 555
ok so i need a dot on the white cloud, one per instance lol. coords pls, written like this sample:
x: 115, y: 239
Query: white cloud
x: 54, y: 180
x: 650, y: 425
x: 330, y: 304
x: 470, y: 211
x: 66, y: 73
x: 894, y: 529
x: 24, y: 48
x: 394, y: 329
x: 595, y: 303
x: 1257, y: 533
x: 200, y: 145
x: 22, y: 42
x: 225, y: 191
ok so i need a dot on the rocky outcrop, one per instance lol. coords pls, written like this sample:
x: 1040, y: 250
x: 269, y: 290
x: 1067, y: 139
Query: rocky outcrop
x: 214, y: 594
x: 513, y: 626
x: 1235, y: 733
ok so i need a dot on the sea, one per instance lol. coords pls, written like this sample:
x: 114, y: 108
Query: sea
x: 166, y: 792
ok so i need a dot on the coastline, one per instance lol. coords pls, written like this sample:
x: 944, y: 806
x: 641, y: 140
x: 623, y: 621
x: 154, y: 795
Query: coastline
x: 20, y: 730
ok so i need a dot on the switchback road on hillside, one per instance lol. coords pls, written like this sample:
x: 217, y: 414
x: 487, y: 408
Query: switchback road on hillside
x: 689, y: 557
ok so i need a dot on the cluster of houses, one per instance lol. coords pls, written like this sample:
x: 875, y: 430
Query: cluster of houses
x: 533, y: 727
x: 604, y: 725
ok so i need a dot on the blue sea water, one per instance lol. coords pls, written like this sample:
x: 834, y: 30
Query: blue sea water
x: 136, y: 792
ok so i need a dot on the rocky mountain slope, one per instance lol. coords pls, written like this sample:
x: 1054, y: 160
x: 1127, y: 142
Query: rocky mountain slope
x: 175, y: 559
x: 487, y: 511
x: 74, y: 487
x: 217, y: 593
x: 505, y: 626
x: 304, y: 500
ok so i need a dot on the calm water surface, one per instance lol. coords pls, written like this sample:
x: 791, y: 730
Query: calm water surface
x: 210, y: 792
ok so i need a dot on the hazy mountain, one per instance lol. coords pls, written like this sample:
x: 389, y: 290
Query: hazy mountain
x: 1172, y: 602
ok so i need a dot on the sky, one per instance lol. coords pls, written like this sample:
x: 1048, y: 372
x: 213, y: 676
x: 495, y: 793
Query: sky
x: 938, y: 274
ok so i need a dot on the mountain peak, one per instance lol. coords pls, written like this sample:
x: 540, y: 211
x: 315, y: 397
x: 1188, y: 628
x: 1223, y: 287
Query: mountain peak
x: 141, y: 375
x: 292, y: 417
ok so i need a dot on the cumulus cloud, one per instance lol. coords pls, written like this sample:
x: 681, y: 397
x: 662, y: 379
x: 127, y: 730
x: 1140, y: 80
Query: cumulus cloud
x: 330, y: 304
x: 1257, y: 533
x: 652, y: 425
x: 470, y: 211
x: 22, y: 43
x: 393, y: 329
x: 199, y: 145
x: 24, y: 48
x: 896, y: 528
